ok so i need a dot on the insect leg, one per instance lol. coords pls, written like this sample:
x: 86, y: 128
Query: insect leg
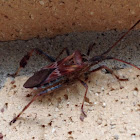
x: 24, y: 60
x: 111, y: 71
x: 67, y: 52
x: 90, y: 47
x: 50, y: 58
x: 82, y: 110
x: 15, y: 119
x: 34, y: 98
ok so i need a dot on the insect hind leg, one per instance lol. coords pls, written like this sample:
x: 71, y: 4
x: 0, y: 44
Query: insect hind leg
x: 34, y: 98
x: 15, y: 119
x: 110, y: 71
x: 83, y: 115
x: 25, y: 59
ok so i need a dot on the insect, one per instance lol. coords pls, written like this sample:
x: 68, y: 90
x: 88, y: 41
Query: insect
x: 61, y: 73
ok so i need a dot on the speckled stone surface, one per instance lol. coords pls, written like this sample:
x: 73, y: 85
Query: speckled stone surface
x: 112, y: 113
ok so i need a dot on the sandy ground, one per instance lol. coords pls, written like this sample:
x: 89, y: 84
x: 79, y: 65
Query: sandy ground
x: 113, y: 109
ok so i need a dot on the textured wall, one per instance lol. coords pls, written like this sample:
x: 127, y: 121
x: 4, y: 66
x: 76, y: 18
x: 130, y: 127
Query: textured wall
x: 32, y: 18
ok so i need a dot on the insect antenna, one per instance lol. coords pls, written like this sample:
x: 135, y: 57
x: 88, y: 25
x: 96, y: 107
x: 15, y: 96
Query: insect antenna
x: 106, y: 52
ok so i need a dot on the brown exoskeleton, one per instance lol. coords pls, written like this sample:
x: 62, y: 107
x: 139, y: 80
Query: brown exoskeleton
x: 62, y: 72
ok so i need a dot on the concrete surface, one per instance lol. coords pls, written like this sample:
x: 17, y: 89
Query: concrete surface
x: 112, y: 113
x: 48, y: 18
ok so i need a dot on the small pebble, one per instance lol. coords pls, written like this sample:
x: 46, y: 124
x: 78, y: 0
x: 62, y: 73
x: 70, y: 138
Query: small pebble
x: 54, y: 116
x: 95, y: 103
x: 53, y: 130
x: 91, y: 108
x: 41, y: 2
x: 102, y: 88
x: 135, y: 93
x: 91, y: 13
x: 104, y: 105
x: 133, y: 137
x: 60, y: 106
x: 112, y: 126
x: 123, y: 113
x: 99, y: 121
x: 19, y: 107
x: 97, y: 94
x: 116, y: 137
x: 31, y: 16
x: 133, y: 12
x: 50, y: 103
x: 68, y: 90
x: 91, y: 91
x: 56, y: 109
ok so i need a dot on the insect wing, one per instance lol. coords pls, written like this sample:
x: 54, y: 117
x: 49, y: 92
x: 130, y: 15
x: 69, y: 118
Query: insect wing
x: 62, y: 72
x: 37, y: 78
